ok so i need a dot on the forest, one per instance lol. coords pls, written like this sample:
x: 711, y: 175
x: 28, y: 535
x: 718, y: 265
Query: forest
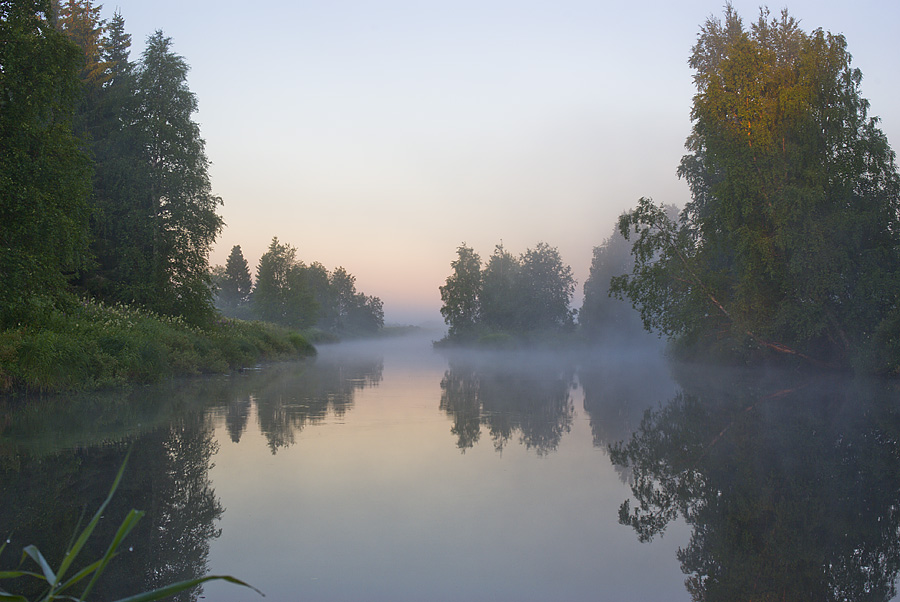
x: 108, y: 217
x: 789, y: 250
x: 290, y: 293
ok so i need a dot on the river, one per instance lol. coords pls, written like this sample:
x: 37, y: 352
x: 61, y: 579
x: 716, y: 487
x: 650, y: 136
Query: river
x: 386, y: 470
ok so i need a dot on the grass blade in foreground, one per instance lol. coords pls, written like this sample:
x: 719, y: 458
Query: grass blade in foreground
x: 174, y: 588
x: 96, y: 568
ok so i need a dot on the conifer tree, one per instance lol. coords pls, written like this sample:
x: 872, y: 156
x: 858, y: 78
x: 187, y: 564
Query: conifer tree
x: 236, y: 283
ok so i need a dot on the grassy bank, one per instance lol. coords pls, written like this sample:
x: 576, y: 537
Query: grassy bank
x: 93, y: 346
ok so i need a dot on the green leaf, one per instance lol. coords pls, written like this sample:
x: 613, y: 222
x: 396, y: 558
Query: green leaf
x: 174, y: 588
x: 124, y: 529
x: 36, y: 555
x: 14, y: 574
x: 12, y: 597
x: 80, y: 575
x: 82, y: 539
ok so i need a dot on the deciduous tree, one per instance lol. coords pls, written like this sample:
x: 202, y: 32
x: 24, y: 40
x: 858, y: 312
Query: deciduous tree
x: 282, y: 294
x: 44, y: 177
x: 462, y: 293
x: 790, y: 242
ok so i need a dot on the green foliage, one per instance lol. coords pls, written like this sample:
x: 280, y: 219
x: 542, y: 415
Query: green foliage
x: 79, y: 585
x: 499, y: 297
x: 602, y: 316
x: 154, y: 218
x: 44, y: 177
x: 790, y: 242
x: 525, y: 296
x: 184, y: 219
x: 290, y: 293
x: 462, y: 293
x: 545, y: 287
x: 282, y: 294
x: 95, y: 345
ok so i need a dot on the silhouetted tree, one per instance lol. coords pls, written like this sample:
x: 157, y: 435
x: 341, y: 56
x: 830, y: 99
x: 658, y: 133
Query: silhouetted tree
x: 544, y: 291
x: 603, y: 317
x: 499, y: 293
x: 235, y: 285
x: 281, y: 294
x: 182, y: 207
x: 461, y: 294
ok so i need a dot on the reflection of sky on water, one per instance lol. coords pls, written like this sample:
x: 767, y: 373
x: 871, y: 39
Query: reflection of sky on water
x: 378, y: 503
x: 346, y: 478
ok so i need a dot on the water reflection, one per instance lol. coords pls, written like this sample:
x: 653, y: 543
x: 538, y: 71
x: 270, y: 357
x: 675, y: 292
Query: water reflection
x: 509, y: 395
x: 44, y: 498
x: 59, y: 456
x: 618, y: 387
x: 291, y: 396
x: 792, y: 488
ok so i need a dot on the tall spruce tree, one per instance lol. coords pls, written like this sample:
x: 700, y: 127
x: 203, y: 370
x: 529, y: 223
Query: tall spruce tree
x: 183, y: 219
x: 236, y: 284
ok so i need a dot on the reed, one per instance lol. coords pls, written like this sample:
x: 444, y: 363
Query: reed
x: 66, y: 583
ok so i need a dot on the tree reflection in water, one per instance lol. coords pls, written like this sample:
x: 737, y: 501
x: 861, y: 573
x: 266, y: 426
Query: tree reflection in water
x: 792, y: 489
x: 43, y: 498
x: 57, y: 460
x: 508, y: 395
x: 290, y: 396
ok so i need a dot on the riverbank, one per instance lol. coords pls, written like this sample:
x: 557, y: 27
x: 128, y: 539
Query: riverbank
x: 93, y: 346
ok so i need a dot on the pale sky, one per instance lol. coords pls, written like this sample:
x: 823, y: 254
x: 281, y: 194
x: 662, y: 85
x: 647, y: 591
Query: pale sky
x: 379, y: 136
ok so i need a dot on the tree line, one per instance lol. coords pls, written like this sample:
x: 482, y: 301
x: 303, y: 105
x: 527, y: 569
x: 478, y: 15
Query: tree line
x: 104, y: 176
x: 293, y: 294
x: 105, y: 186
x: 790, y: 244
x: 529, y: 296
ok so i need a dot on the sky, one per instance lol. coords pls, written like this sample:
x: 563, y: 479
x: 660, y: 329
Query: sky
x: 379, y: 136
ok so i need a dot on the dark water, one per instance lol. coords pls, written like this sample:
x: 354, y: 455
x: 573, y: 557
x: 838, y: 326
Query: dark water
x: 387, y: 471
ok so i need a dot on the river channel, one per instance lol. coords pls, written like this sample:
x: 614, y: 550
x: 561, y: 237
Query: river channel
x: 386, y: 470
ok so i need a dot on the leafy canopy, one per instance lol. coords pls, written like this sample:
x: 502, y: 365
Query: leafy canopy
x: 790, y: 242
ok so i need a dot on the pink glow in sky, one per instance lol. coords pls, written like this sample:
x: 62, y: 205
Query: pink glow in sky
x: 378, y: 136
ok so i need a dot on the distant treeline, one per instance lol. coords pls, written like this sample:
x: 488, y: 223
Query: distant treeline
x: 527, y: 298
x: 293, y: 294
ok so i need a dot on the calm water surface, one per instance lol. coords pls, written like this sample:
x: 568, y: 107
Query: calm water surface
x: 387, y: 471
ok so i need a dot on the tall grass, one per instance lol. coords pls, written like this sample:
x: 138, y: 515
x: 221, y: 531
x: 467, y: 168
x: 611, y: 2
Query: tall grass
x: 93, y: 345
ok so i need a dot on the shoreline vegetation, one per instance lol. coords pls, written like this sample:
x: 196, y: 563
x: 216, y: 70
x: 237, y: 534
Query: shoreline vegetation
x: 788, y: 251
x: 90, y: 345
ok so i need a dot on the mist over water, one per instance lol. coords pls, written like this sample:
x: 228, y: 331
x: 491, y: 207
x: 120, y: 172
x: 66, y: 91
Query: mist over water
x: 387, y: 470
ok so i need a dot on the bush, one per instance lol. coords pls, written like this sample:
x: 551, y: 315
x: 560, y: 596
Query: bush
x: 93, y: 345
